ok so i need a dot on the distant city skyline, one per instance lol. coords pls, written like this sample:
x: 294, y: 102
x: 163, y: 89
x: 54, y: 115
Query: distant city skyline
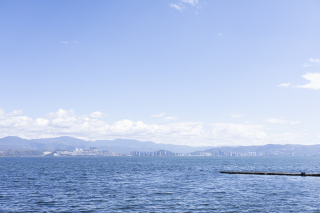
x: 184, y: 72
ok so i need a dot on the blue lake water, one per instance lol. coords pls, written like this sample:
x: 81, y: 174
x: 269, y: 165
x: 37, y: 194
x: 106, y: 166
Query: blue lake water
x: 157, y: 184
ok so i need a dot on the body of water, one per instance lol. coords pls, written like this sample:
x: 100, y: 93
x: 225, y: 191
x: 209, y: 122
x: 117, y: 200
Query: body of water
x: 157, y: 184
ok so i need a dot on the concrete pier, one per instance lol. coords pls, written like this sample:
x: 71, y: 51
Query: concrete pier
x: 271, y: 173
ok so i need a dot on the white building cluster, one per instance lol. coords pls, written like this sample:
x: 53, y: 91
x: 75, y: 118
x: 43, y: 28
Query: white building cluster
x: 159, y: 153
x: 86, y: 152
x: 225, y: 154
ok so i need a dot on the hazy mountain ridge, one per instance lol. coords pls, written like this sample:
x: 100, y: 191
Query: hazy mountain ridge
x: 125, y: 146
x: 69, y: 143
x: 269, y: 150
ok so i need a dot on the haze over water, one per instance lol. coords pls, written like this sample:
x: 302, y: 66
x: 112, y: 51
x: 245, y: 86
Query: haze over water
x: 180, y: 184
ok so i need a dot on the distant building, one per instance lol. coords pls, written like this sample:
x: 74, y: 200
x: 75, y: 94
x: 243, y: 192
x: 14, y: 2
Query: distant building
x: 252, y: 154
x: 86, y: 152
x: 159, y: 153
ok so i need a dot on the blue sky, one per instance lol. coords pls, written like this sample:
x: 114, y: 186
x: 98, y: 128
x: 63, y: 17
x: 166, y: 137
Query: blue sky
x: 180, y: 71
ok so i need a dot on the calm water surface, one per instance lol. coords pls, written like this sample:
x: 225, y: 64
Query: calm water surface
x: 180, y: 184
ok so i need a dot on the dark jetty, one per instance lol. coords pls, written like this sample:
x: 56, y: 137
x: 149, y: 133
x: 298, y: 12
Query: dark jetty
x: 272, y: 173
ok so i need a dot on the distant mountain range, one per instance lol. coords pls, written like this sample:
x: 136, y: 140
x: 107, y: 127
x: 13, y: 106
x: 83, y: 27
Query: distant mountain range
x: 69, y: 143
x: 266, y: 150
x: 125, y: 146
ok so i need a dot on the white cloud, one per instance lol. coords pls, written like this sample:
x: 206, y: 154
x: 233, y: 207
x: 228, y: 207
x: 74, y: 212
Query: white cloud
x: 284, y: 85
x: 41, y: 122
x: 220, y: 34
x: 314, y: 60
x: 61, y: 113
x: 275, y: 121
x: 159, y: 115
x: 314, y: 79
x: 234, y: 115
x: 179, y: 7
x: 76, y: 42
x: 16, y: 112
x: 183, y: 5
x: 65, y: 122
x: 294, y: 122
x: 171, y: 118
x: 238, y: 131
x: 280, y: 121
x: 192, y: 2
x: 92, y: 127
x: 63, y: 42
x: 2, y: 114
x: 97, y: 114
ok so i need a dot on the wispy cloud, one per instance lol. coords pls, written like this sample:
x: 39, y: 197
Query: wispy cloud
x: 234, y: 115
x: 294, y: 122
x: 236, y: 131
x: 16, y: 112
x: 192, y: 2
x: 179, y: 7
x: 159, y: 115
x: 275, y: 121
x: 182, y: 5
x: 281, y: 121
x: 98, y: 114
x: 171, y: 118
x: 66, y: 42
x: 284, y: 85
x: 314, y: 60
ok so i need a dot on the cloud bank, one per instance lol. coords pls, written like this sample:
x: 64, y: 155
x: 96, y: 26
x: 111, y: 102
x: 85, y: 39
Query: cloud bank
x: 94, y: 127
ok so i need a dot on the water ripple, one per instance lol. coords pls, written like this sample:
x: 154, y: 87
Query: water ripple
x: 124, y: 184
